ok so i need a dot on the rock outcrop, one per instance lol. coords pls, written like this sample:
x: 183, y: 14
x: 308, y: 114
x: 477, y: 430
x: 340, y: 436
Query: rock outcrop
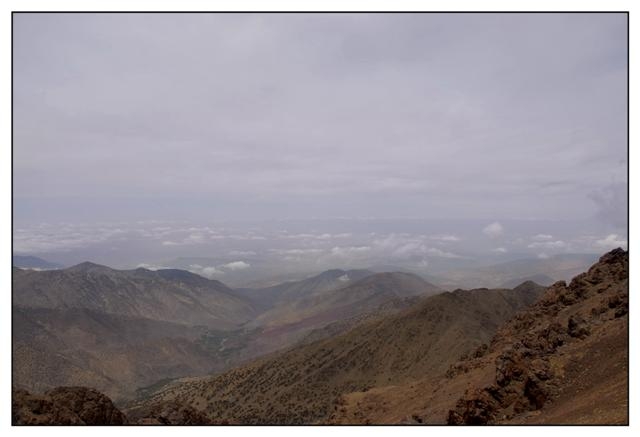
x: 65, y: 406
x: 527, y: 365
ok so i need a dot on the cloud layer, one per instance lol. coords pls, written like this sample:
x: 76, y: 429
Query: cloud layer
x: 488, y: 116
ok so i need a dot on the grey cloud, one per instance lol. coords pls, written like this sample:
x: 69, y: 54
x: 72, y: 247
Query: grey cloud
x: 281, y: 116
x: 611, y: 202
x: 236, y: 265
x: 611, y: 241
x: 493, y: 230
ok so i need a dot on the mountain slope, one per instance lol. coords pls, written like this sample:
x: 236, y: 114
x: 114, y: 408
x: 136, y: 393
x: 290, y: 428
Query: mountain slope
x: 269, y: 297
x: 356, y: 297
x: 114, y: 354
x: 117, y: 331
x: 562, y: 361
x: 303, y: 384
x: 294, y: 318
x: 172, y: 296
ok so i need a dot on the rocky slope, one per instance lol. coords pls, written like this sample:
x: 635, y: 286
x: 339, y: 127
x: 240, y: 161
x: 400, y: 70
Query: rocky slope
x: 64, y: 406
x: 302, y: 385
x: 562, y: 361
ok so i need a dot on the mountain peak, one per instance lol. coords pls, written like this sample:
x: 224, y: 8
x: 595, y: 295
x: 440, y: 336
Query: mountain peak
x: 89, y: 266
x: 614, y: 256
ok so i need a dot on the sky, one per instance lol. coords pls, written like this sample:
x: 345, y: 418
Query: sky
x: 207, y: 118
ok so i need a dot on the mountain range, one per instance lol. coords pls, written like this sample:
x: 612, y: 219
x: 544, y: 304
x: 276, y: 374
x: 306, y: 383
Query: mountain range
x: 342, y: 347
x: 122, y: 330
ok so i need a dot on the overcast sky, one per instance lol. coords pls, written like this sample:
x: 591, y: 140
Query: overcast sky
x: 211, y: 116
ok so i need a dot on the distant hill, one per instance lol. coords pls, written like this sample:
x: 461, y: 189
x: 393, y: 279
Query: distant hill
x: 172, y: 296
x: 33, y: 262
x: 539, y: 278
x: 326, y: 300
x: 272, y: 296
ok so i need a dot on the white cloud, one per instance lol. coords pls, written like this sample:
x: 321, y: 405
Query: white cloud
x: 611, y: 241
x: 542, y: 237
x: 404, y: 246
x: 558, y: 244
x: 208, y: 272
x: 211, y: 272
x: 543, y: 256
x: 194, y: 238
x: 242, y: 253
x: 66, y: 237
x: 500, y: 250
x: 296, y: 251
x: 151, y: 267
x: 236, y: 265
x: 441, y: 253
x: 409, y: 249
x: 349, y: 251
x: 445, y: 238
x: 493, y: 230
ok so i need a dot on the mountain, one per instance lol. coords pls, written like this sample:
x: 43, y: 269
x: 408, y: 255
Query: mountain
x: 303, y: 384
x: 539, y: 278
x: 121, y: 331
x: 562, y: 361
x: 171, y: 296
x: 33, y: 262
x: 325, y: 298
x: 269, y: 297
